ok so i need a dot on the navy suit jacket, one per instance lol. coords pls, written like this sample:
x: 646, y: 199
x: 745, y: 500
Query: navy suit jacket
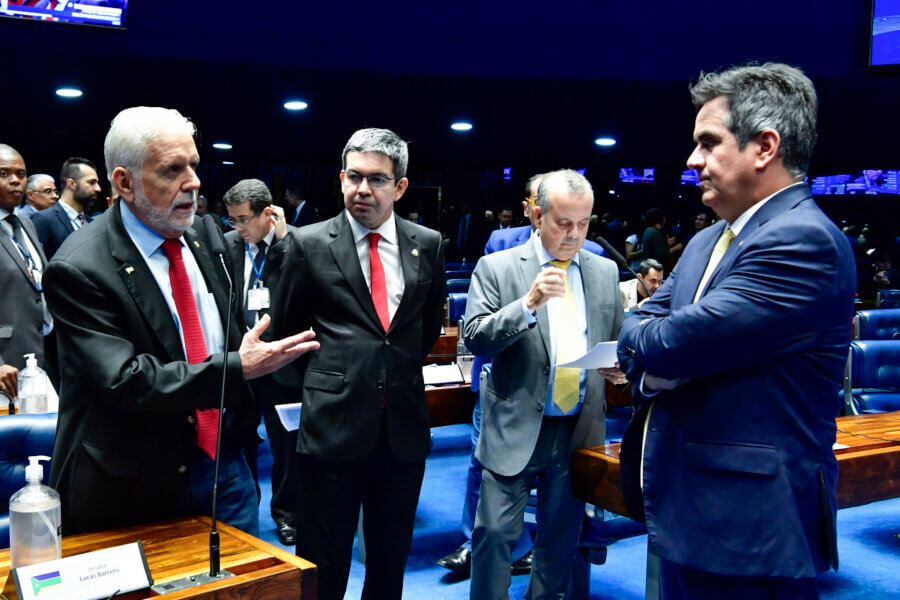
x: 502, y: 239
x: 53, y: 226
x: 739, y: 475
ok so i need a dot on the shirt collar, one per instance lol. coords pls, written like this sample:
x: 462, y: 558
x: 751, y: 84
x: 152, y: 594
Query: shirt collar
x: 739, y: 223
x: 73, y: 214
x: 147, y: 240
x: 388, y: 229
x: 3, y: 213
x: 268, y: 238
x: 544, y: 256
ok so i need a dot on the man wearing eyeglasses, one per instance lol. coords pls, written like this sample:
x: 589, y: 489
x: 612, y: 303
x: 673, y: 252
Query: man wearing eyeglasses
x: 40, y: 194
x: 257, y: 256
x: 372, y: 287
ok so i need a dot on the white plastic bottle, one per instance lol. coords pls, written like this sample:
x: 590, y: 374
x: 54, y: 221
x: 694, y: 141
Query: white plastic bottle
x: 34, y: 519
x: 32, y: 387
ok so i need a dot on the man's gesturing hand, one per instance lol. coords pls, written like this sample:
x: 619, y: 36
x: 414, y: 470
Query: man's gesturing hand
x: 260, y: 358
x: 549, y: 283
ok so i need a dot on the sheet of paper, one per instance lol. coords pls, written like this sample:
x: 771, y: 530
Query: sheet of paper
x: 837, y: 446
x: 289, y: 415
x: 442, y: 374
x: 601, y: 355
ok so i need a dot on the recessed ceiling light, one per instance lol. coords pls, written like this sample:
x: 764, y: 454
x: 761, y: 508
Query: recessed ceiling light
x: 605, y: 141
x: 227, y: 162
x: 296, y: 105
x: 222, y: 146
x: 69, y: 93
x: 461, y: 126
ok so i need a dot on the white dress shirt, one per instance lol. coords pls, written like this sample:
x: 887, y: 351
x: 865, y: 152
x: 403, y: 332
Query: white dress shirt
x: 388, y: 251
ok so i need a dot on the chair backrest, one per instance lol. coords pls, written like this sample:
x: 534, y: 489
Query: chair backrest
x: 457, y: 306
x: 458, y: 285
x: 881, y: 324
x: 888, y: 299
x: 458, y: 275
x: 21, y: 436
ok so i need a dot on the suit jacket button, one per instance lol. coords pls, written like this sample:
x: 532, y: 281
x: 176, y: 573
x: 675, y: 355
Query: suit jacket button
x: 540, y: 406
x: 380, y: 385
x: 546, y: 370
x: 387, y: 342
x: 182, y: 469
x: 190, y: 420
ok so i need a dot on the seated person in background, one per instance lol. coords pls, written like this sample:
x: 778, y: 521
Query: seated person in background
x: 633, y: 293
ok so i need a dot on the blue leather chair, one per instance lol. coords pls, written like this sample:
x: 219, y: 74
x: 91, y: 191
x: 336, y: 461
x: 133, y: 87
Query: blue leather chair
x: 888, y: 299
x: 457, y: 306
x: 21, y: 436
x: 872, y: 378
x: 458, y: 285
x: 458, y: 275
x: 882, y: 324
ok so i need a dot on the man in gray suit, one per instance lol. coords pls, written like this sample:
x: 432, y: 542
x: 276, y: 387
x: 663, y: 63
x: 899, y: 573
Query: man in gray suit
x: 23, y: 320
x: 532, y: 307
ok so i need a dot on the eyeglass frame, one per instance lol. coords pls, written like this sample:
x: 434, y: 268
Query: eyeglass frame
x: 232, y: 222
x: 374, y: 186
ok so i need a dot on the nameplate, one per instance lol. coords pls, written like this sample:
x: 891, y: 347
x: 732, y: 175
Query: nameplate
x: 91, y: 576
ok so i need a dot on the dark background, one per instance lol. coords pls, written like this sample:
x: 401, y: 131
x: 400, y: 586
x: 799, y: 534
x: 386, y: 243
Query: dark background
x: 539, y: 80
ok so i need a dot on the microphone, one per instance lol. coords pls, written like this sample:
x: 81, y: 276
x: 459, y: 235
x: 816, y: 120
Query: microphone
x: 616, y: 256
x: 217, y: 247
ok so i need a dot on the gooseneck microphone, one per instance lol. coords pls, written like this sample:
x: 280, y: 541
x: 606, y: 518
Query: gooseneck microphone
x: 616, y: 256
x: 217, y: 247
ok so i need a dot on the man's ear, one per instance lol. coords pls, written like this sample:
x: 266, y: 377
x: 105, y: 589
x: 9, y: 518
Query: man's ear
x: 123, y: 180
x: 538, y: 216
x: 768, y: 142
x: 402, y: 184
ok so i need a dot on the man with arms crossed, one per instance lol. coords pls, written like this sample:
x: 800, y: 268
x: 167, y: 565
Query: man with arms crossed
x: 371, y: 285
x: 532, y: 307
x: 742, y: 353
x: 140, y: 304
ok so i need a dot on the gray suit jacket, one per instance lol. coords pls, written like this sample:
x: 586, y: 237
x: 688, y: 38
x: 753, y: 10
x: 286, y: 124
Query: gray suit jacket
x: 22, y: 317
x: 495, y: 325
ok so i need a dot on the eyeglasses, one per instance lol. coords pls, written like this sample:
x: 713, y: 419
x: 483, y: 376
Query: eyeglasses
x: 47, y: 191
x: 376, y: 181
x: 241, y: 222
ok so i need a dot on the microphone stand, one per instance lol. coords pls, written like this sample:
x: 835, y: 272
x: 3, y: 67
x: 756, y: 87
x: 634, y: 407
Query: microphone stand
x: 616, y: 256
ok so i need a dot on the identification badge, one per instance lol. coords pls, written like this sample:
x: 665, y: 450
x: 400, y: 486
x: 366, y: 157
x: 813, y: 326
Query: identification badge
x: 257, y: 298
x: 36, y: 277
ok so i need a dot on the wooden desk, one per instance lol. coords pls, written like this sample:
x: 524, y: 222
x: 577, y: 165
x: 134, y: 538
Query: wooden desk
x: 869, y: 468
x: 444, y: 349
x: 180, y: 547
x: 450, y: 404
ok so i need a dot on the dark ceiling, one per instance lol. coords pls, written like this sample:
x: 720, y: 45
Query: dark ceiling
x: 539, y: 80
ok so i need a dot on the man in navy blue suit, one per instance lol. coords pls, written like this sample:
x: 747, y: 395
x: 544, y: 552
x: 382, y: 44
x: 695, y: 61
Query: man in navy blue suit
x: 81, y: 190
x: 739, y: 357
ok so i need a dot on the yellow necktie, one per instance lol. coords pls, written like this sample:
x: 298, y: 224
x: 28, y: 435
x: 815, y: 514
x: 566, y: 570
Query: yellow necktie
x: 565, y: 382
x: 718, y: 252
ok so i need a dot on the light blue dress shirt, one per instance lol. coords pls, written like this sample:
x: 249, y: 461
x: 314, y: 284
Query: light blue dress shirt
x: 149, y: 244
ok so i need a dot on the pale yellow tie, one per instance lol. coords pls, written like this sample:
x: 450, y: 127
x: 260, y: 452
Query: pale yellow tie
x: 566, y: 381
x: 718, y: 252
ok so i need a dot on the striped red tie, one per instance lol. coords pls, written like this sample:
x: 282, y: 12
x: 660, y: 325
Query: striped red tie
x: 194, y: 344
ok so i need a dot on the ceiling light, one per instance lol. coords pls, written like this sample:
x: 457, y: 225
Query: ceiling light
x: 605, y: 141
x: 296, y: 105
x: 227, y: 162
x: 222, y: 146
x: 69, y: 93
x: 461, y: 126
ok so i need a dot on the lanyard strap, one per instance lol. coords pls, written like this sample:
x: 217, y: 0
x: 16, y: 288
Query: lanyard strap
x: 25, y: 253
x: 257, y: 269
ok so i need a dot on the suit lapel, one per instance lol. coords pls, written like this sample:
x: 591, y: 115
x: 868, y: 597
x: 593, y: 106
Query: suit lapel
x: 530, y: 269
x: 142, y: 286
x: 409, y: 260
x: 343, y: 249
x: 210, y: 267
x: 236, y: 251
x: 594, y: 335
x: 63, y: 217
x: 10, y: 247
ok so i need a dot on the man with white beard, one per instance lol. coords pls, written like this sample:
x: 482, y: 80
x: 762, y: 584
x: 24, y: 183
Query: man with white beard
x: 141, y: 303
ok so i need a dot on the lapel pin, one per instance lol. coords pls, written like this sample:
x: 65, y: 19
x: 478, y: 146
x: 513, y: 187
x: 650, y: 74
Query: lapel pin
x: 740, y: 243
x: 415, y: 252
x: 196, y: 244
x: 129, y: 270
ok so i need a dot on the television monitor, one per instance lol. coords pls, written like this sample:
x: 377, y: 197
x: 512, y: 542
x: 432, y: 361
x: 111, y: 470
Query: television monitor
x: 636, y: 175
x: 885, y: 41
x: 105, y: 13
x: 690, y: 177
x: 874, y: 182
x: 830, y: 185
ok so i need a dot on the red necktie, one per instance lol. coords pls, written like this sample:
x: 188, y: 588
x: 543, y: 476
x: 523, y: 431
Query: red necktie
x: 194, y: 344
x: 379, y: 288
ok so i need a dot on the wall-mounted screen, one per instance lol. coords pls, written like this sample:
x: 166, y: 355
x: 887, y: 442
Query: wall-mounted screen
x: 867, y: 181
x: 636, y: 175
x: 885, y: 33
x: 690, y: 177
x: 106, y: 13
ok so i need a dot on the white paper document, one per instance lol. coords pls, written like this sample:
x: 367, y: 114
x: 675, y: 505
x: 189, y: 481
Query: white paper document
x: 442, y: 374
x: 600, y: 356
x: 289, y: 415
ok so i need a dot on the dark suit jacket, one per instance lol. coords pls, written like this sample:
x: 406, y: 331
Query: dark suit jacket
x: 286, y: 376
x: 739, y: 473
x: 308, y: 215
x: 126, y: 426
x: 360, y: 371
x: 53, y: 226
x: 22, y: 317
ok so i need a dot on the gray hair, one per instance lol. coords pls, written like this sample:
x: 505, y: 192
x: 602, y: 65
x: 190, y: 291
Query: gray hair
x: 574, y: 183
x: 253, y: 191
x: 34, y: 181
x: 132, y: 132
x: 383, y: 141
x: 649, y: 263
x: 770, y: 96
